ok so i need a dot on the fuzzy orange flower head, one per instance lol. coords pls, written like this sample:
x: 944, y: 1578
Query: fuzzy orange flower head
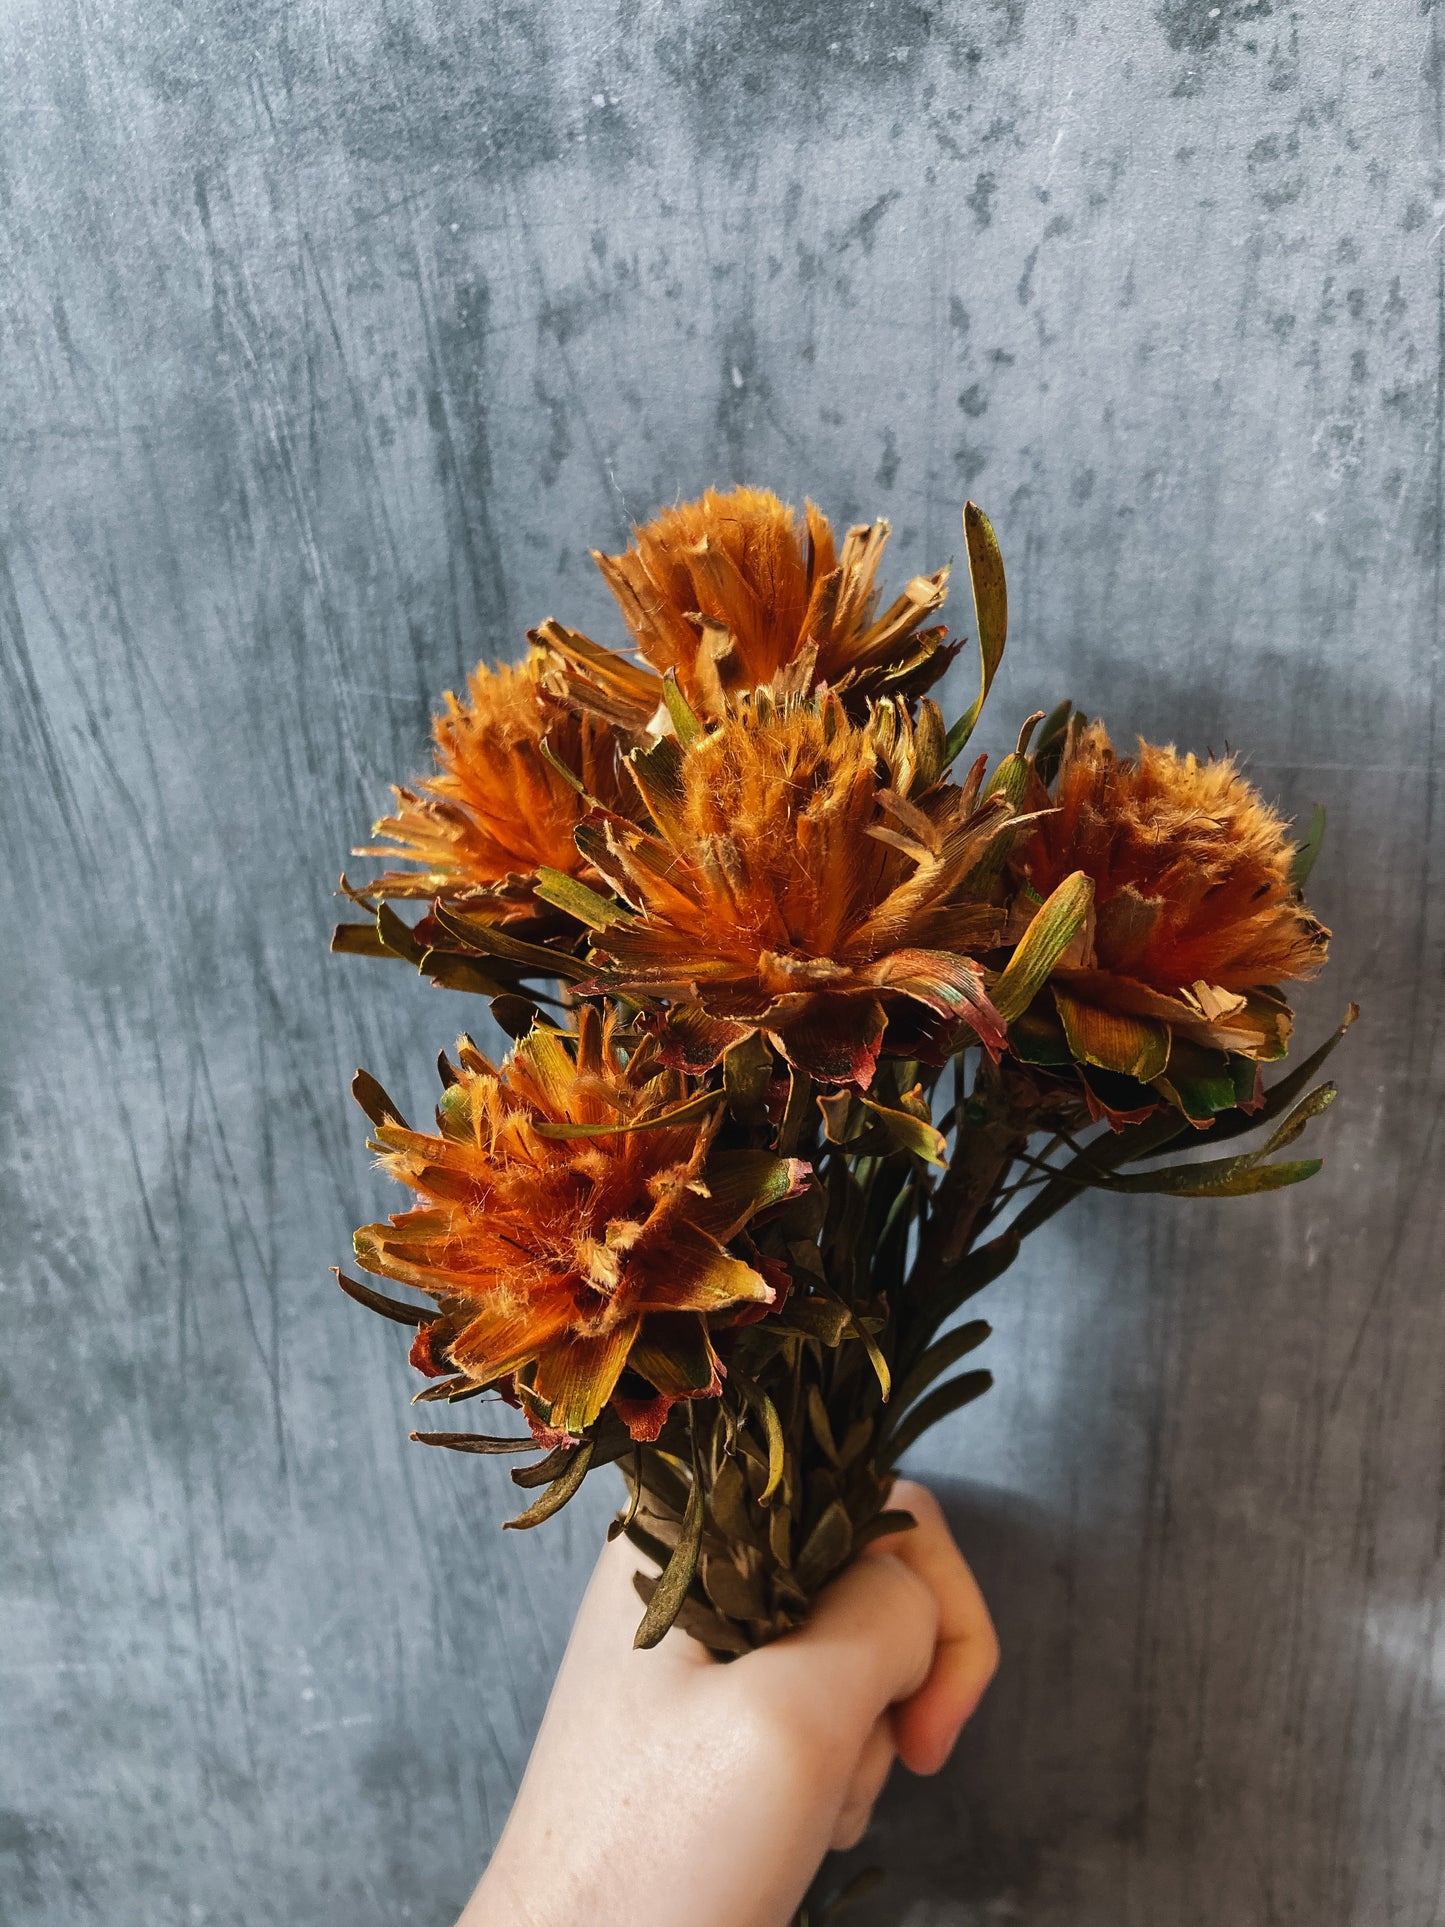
x: 807, y: 877
x: 497, y: 808
x: 733, y: 593
x: 572, y: 1225
x: 1196, y: 919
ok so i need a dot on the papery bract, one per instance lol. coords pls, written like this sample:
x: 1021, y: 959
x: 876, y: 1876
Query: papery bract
x: 562, y: 1252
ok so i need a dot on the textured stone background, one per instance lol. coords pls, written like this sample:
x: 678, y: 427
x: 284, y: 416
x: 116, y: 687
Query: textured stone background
x: 331, y: 335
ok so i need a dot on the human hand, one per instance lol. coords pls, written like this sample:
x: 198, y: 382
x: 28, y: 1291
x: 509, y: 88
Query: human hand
x: 668, y: 1790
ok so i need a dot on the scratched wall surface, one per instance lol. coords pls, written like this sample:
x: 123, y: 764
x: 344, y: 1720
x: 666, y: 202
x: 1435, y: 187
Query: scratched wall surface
x: 331, y: 336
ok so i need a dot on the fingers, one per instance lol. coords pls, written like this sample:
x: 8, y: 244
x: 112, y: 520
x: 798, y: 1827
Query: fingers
x: 875, y: 1763
x: 870, y: 1641
x: 928, y: 1720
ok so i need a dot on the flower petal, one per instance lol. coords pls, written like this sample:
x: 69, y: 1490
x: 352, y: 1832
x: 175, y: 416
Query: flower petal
x: 577, y: 1379
x: 833, y: 1036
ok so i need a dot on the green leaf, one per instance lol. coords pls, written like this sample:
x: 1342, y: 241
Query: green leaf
x: 475, y: 1441
x: 1041, y: 946
x: 937, y: 1359
x: 990, y: 608
x: 1307, y: 852
x: 938, y: 1404
x: 559, y: 1492
x: 686, y: 725
x: 1284, y: 1090
x: 910, y: 1133
x: 564, y: 892
x: 1135, y: 1047
x: 677, y: 1575
x: 1314, y: 1105
x: 876, y: 1360
x: 963, y: 1281
x: 1217, y: 1178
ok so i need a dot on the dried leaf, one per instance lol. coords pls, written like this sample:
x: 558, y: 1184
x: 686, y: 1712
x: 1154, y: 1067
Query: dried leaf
x: 910, y: 1133
x: 677, y: 1575
x: 826, y: 1548
x: 380, y: 1108
x: 388, y: 1307
x: 938, y: 1404
x: 938, y: 1358
x: 990, y: 608
x: 474, y: 1442
x: 559, y: 1492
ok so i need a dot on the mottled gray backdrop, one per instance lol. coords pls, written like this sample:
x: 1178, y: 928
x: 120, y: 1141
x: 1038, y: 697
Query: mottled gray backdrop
x: 332, y: 334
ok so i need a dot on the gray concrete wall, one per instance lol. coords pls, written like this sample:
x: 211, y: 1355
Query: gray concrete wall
x: 331, y: 336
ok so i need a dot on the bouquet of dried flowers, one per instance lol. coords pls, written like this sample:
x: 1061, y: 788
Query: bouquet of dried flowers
x: 815, y: 1021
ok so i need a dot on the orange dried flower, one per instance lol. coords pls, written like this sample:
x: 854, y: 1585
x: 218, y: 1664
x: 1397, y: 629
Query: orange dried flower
x: 1196, y: 918
x: 731, y: 594
x: 572, y: 1223
x: 497, y: 810
x: 806, y: 877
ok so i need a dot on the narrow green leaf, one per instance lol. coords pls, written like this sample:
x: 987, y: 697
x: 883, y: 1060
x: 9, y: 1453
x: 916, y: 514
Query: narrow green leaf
x: 938, y: 1404
x: 990, y: 608
x: 677, y: 1575
x: 1314, y: 1105
x: 1307, y: 852
x: 565, y: 893
x: 559, y: 1492
x: 963, y: 1281
x: 937, y: 1359
x: 1284, y: 1091
x: 877, y: 1361
x: 1217, y: 1178
x: 1041, y: 946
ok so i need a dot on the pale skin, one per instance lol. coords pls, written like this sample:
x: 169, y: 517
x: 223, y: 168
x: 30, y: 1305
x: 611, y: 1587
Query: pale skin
x: 668, y: 1790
